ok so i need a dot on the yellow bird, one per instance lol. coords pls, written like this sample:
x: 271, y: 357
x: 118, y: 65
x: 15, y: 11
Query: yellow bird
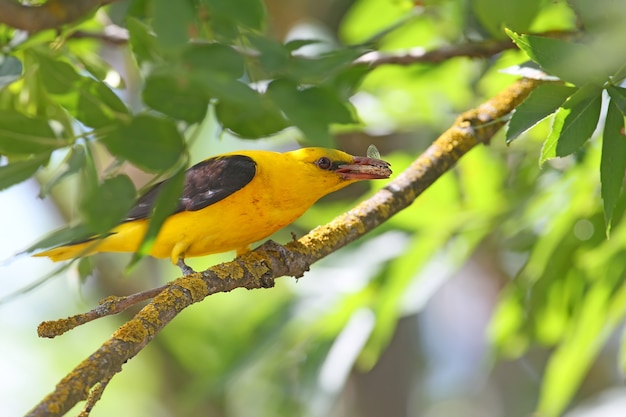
x: 232, y: 200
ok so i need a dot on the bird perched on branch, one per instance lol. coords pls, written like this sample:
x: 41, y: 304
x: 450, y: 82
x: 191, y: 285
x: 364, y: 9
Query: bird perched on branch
x: 232, y: 200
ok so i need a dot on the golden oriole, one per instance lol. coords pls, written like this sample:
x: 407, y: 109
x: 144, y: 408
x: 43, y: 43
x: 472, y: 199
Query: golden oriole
x: 232, y: 200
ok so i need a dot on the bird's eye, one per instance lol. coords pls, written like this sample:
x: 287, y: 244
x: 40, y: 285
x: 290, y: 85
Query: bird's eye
x: 324, y: 163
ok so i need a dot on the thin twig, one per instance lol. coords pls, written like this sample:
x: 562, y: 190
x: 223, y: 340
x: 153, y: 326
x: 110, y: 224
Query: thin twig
x: 112, y: 35
x: 107, y: 307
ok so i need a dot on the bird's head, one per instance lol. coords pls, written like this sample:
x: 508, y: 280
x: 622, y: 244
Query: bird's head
x: 335, y: 169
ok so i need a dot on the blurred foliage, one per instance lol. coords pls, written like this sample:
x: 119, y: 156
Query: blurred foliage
x: 193, y: 64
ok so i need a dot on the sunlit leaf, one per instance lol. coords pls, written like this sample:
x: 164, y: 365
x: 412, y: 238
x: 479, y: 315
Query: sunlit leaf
x: 569, y: 362
x: 506, y: 327
x: 574, y: 123
x: 367, y: 20
x: 541, y: 103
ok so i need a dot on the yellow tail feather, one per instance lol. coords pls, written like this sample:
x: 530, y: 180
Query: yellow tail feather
x: 63, y: 253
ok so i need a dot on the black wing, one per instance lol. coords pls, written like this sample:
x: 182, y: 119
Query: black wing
x: 206, y: 183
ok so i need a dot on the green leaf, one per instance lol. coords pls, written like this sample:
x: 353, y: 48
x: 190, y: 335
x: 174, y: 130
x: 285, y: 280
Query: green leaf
x: 618, y: 97
x: 505, y: 329
x: 165, y: 204
x: 346, y: 81
x: 568, y: 364
x: 96, y: 66
x: 223, y: 88
x: 58, y: 77
x: 620, y: 73
x: 329, y: 107
x: 574, y: 123
x: 324, y: 66
x: 176, y: 96
x: 173, y: 22
x: 253, y: 119
x: 61, y: 236
x: 246, y: 13
x: 106, y: 205
x: 142, y: 41
x: 214, y: 58
x: 566, y: 60
x: 312, y: 110
x: 274, y: 57
x: 20, y: 134
x: 214, y: 70
x: 296, y: 44
x: 10, y: 69
x: 18, y: 171
x: 149, y: 142
x: 613, y: 161
x: 495, y: 15
x: 98, y: 105
x: 542, y: 102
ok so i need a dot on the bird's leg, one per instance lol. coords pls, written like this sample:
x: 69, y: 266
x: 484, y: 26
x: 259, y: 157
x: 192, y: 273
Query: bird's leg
x: 185, y: 269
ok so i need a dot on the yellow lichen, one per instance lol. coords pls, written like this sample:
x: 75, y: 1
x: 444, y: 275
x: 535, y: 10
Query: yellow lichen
x: 230, y: 270
x: 195, y: 285
x: 256, y: 265
x: 132, y: 332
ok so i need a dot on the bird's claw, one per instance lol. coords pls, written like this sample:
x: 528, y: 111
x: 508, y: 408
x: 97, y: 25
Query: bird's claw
x: 185, y: 269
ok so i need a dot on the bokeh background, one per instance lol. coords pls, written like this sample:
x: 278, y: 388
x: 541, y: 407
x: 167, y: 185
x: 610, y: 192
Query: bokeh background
x: 454, y: 307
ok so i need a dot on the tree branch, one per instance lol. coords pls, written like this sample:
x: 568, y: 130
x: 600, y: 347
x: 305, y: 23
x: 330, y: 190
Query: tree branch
x: 259, y: 269
x: 50, y: 15
x: 111, y: 34
x: 482, y: 49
